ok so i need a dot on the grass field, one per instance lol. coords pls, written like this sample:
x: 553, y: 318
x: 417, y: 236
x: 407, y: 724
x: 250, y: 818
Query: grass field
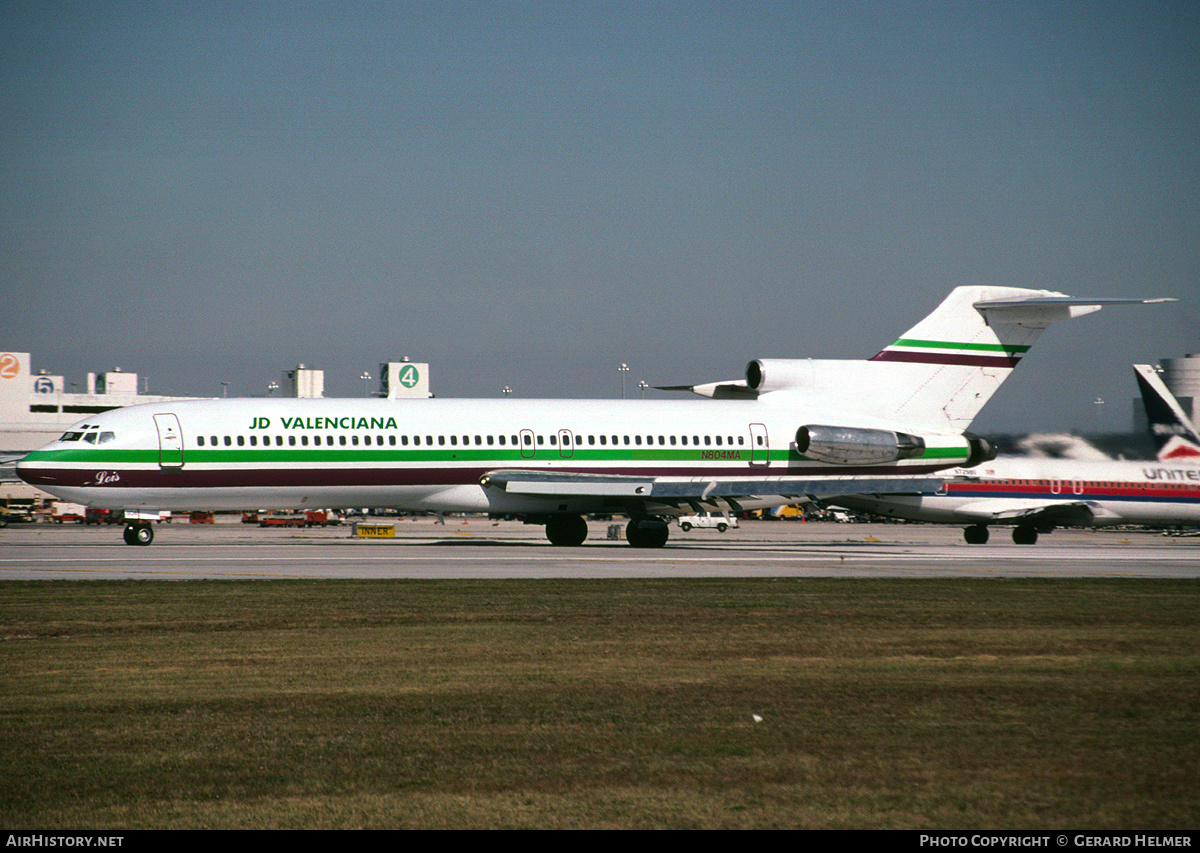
x: 1061, y: 704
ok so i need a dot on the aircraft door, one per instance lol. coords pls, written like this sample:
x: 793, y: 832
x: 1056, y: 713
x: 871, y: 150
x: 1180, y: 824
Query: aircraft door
x: 760, y: 447
x: 566, y: 444
x: 528, y: 448
x: 170, y: 441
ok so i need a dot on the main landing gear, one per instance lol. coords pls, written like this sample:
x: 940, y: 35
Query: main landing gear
x: 138, y: 534
x: 976, y: 534
x: 567, y: 531
x: 647, y: 532
x: 1023, y: 534
x: 570, y: 531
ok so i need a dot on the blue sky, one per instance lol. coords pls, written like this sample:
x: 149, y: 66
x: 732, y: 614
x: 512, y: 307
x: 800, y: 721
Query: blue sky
x: 529, y: 194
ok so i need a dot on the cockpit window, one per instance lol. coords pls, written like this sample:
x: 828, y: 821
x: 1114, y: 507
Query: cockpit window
x: 106, y: 437
x: 71, y: 436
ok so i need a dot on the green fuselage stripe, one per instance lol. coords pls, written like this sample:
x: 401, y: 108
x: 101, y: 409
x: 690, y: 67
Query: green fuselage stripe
x: 917, y: 344
x: 485, y: 456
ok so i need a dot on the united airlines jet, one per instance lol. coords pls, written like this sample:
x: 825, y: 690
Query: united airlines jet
x: 1174, y: 435
x: 1037, y: 495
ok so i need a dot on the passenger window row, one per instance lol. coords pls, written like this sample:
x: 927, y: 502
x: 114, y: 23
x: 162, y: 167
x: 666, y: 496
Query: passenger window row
x: 525, y: 439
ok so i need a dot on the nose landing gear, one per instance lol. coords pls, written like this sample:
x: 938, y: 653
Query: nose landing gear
x: 138, y: 534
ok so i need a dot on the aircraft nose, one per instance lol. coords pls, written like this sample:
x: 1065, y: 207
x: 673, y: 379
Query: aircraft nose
x: 32, y: 473
x: 29, y: 475
x: 24, y: 472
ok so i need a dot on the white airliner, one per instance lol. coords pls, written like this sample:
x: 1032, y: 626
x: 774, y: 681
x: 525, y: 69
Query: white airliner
x: 1037, y: 495
x: 792, y: 430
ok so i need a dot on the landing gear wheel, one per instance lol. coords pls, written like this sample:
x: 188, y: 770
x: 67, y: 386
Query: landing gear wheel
x: 976, y: 535
x: 139, y: 534
x: 647, y: 533
x: 567, y: 530
x: 1025, y: 535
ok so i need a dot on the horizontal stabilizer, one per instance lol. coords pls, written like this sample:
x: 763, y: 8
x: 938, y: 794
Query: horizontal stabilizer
x: 736, y: 389
x: 1041, y: 311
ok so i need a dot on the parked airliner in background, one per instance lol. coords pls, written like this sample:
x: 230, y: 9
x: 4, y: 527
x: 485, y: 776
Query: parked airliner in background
x: 1037, y: 495
x: 1174, y: 434
x: 792, y: 430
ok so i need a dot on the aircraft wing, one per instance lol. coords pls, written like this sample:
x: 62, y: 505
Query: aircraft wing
x: 694, y: 493
x: 1012, y: 512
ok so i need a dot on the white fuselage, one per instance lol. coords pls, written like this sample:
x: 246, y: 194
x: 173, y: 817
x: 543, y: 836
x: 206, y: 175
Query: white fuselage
x: 1053, y: 492
x: 419, y: 454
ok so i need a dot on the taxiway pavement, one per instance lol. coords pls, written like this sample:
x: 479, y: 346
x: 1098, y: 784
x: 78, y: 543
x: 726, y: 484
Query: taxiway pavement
x: 480, y: 548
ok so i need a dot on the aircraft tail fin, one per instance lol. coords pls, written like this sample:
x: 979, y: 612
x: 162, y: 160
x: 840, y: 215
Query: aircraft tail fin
x: 938, y: 374
x: 945, y: 368
x: 1175, y: 436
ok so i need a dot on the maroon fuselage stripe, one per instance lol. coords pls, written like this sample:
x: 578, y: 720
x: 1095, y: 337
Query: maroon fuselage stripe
x: 947, y: 358
x: 185, y: 478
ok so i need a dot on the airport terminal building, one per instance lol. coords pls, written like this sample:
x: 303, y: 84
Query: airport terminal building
x: 35, y: 408
x: 1182, y: 378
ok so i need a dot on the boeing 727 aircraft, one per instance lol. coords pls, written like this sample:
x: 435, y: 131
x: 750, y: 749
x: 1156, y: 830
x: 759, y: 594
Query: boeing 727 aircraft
x: 793, y: 429
x: 1036, y: 495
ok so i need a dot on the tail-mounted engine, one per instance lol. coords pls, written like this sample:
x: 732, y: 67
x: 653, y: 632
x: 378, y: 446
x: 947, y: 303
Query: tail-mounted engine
x: 775, y: 374
x: 858, y: 446
x: 981, y: 450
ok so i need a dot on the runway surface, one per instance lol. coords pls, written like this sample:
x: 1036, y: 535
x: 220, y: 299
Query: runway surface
x: 479, y: 548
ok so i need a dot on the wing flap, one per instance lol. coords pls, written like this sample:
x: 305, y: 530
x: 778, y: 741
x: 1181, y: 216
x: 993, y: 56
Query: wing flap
x: 690, y: 491
x: 554, y: 484
x: 1009, y: 512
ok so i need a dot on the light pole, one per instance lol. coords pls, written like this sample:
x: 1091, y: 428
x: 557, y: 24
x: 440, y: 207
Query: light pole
x: 623, y: 369
x: 366, y: 377
x: 642, y: 384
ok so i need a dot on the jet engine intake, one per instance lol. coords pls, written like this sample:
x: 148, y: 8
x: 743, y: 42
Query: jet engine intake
x: 775, y: 374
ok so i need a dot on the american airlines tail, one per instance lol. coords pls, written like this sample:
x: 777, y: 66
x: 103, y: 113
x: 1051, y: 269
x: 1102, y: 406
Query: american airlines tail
x: 943, y: 370
x: 1174, y: 434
